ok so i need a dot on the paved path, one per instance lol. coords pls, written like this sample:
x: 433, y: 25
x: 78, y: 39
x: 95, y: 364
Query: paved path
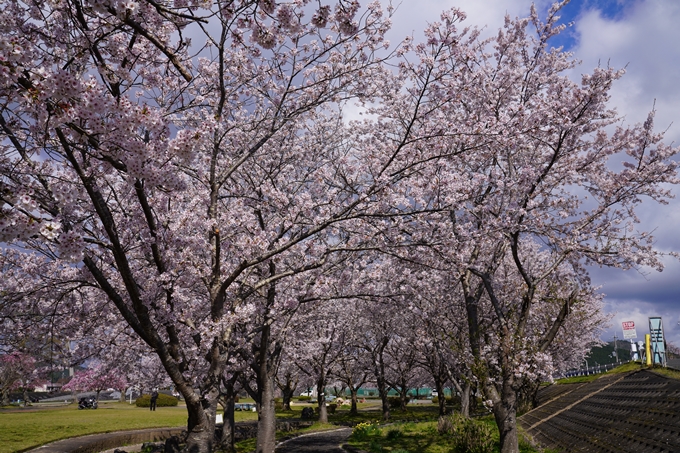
x: 100, y: 442
x: 323, y: 442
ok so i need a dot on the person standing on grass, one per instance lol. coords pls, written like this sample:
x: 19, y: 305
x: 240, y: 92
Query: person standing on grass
x: 154, y: 397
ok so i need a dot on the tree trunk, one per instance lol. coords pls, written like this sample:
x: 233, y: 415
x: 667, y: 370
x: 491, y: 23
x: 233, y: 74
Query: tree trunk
x: 200, y: 425
x: 505, y: 414
x: 353, y: 392
x: 5, y: 397
x: 229, y: 426
x: 266, y: 416
x: 321, y: 397
x: 403, y: 398
x: 441, y: 398
x: 25, y: 394
x: 287, y: 388
x: 287, y: 393
x: 382, y: 391
x: 465, y: 399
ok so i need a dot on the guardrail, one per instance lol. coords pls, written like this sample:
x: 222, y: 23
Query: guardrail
x: 587, y: 371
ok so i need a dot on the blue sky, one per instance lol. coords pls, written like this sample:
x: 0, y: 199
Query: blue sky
x: 643, y: 37
x: 612, y: 10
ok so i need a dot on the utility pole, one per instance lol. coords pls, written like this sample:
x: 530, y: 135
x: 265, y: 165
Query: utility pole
x: 616, y: 354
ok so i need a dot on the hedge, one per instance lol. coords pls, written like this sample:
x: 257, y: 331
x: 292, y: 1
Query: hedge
x: 162, y: 401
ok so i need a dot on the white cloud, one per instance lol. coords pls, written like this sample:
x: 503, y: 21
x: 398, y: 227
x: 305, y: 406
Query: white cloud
x: 645, y: 41
x: 411, y: 16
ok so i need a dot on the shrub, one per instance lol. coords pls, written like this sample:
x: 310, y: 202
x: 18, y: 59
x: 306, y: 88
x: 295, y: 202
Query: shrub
x: 331, y: 408
x: 395, y: 402
x: 162, y: 401
x: 365, y: 431
x: 467, y: 435
x: 304, y: 398
x: 394, y: 434
x: 450, y: 401
x: 375, y: 447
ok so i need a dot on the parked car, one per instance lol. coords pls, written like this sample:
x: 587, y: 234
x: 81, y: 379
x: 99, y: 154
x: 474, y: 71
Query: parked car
x: 245, y: 407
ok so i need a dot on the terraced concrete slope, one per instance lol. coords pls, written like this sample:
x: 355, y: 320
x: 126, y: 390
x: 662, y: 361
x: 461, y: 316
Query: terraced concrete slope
x: 636, y: 412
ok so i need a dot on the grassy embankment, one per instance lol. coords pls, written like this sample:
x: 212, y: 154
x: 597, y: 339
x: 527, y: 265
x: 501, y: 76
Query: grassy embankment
x: 624, y: 368
x: 424, y: 436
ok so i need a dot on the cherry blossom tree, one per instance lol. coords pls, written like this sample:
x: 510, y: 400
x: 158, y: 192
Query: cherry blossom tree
x: 177, y: 173
x: 551, y: 184
x: 18, y: 371
x: 352, y: 369
x: 96, y: 379
x: 403, y: 370
x: 287, y: 379
x: 317, y: 351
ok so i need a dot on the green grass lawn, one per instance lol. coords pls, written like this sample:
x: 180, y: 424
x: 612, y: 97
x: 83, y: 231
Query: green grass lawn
x: 35, y: 426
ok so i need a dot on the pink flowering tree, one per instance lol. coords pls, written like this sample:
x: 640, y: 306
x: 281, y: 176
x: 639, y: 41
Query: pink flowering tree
x: 164, y: 187
x: 165, y: 181
x: 18, y: 371
x: 550, y: 184
x: 96, y: 379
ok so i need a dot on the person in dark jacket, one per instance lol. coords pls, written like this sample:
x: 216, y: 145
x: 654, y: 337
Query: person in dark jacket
x: 154, y: 397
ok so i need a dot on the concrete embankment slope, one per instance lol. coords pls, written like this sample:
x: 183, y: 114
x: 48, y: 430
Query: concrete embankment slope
x: 635, y: 412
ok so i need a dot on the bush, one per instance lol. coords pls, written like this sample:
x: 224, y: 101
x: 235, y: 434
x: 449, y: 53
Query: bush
x: 450, y: 401
x: 468, y: 436
x: 304, y: 398
x: 365, y: 431
x: 307, y: 413
x: 331, y: 408
x: 394, y: 434
x: 162, y: 401
x: 395, y: 402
